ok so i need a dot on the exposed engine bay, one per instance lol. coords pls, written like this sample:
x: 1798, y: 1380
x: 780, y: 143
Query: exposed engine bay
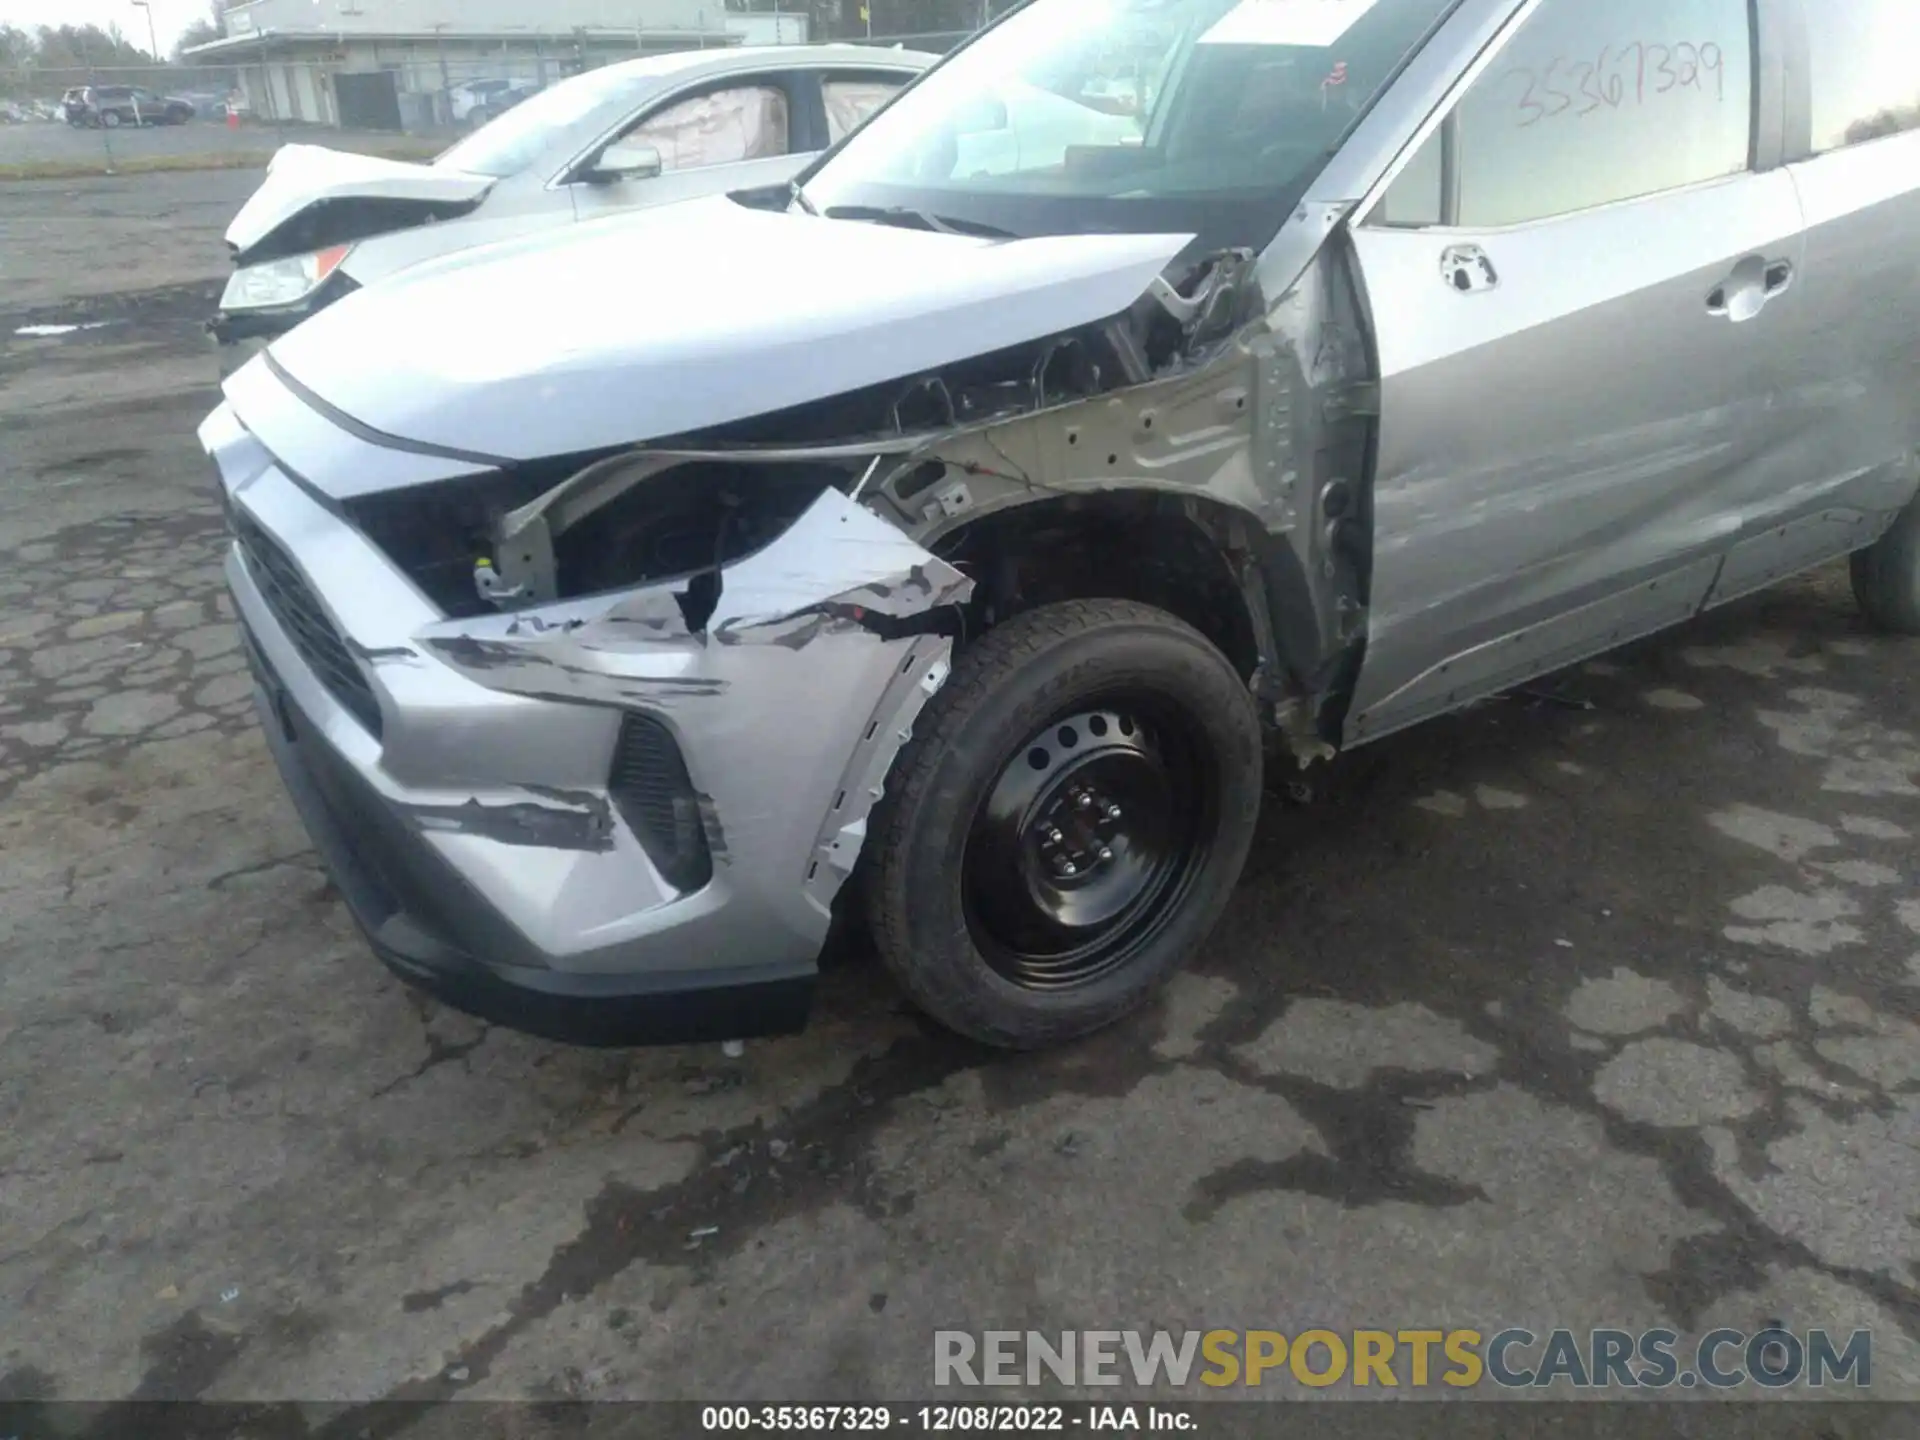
x: 1136, y: 435
x: 686, y: 507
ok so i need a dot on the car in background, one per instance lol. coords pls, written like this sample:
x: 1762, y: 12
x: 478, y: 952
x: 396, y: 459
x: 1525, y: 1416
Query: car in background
x: 631, y: 136
x: 205, y: 102
x: 475, y: 102
x: 110, y: 107
x: 463, y: 98
x: 503, y: 100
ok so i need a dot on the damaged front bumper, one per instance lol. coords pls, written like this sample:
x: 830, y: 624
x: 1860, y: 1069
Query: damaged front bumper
x: 587, y: 820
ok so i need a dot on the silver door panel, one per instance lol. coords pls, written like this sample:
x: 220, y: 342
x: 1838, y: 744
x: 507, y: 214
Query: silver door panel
x: 1585, y: 423
x: 1858, y: 320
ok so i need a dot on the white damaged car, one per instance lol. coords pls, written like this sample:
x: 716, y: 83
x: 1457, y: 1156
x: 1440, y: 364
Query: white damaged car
x: 635, y: 135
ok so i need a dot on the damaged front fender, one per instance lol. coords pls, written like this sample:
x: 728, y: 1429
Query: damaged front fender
x: 789, y: 703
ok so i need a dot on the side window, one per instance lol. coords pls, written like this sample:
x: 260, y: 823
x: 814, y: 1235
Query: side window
x: 1596, y: 103
x: 850, y: 99
x: 1591, y: 104
x: 721, y: 127
x: 1865, y: 59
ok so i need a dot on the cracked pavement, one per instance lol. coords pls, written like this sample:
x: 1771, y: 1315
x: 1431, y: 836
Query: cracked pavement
x: 1597, y: 1006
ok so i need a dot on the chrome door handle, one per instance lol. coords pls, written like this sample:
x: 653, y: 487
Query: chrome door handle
x: 1745, y: 293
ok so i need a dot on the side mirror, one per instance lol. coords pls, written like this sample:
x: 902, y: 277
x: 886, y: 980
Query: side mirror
x: 624, y: 161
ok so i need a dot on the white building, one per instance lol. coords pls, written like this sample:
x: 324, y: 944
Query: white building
x: 763, y: 28
x: 390, y: 64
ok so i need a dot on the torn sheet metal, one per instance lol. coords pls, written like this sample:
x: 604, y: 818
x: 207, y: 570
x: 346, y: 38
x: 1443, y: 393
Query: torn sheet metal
x: 1266, y: 433
x: 817, y: 701
x: 834, y: 569
x: 1190, y: 433
x: 524, y: 568
x: 841, y: 553
x: 921, y: 676
x: 556, y: 820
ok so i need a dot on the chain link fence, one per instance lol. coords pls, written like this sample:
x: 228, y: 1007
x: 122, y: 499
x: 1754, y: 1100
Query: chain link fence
x: 405, y: 98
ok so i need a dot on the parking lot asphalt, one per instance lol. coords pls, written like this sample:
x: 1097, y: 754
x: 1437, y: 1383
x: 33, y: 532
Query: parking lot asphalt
x: 1596, y: 1006
x: 64, y: 242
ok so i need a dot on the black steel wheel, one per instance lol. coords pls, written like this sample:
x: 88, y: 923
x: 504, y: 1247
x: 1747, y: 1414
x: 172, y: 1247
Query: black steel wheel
x: 1068, y: 823
x: 1093, y: 830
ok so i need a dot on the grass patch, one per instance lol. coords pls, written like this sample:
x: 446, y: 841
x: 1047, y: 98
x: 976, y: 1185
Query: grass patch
x: 67, y: 168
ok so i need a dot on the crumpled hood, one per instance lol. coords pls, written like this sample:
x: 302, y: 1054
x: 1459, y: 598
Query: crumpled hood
x: 646, y: 326
x: 303, y: 177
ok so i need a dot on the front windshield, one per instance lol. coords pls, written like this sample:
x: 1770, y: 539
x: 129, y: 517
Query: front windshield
x: 511, y: 143
x: 1209, y: 117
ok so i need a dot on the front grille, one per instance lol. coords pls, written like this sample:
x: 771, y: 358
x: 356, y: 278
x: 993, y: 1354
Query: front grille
x: 655, y: 796
x: 305, y: 620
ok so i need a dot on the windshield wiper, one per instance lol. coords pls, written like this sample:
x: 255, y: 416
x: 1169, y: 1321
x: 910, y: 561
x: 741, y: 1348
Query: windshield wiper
x: 912, y: 219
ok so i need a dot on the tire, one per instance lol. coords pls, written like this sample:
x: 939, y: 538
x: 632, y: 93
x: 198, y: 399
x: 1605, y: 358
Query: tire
x: 1886, y: 576
x: 976, y: 836
x: 111, y: 119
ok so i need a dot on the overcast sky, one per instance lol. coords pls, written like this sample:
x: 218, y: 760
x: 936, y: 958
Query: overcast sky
x: 170, y: 17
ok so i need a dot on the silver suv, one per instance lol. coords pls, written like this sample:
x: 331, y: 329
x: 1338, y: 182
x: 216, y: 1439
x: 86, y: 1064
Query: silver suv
x: 1155, y: 387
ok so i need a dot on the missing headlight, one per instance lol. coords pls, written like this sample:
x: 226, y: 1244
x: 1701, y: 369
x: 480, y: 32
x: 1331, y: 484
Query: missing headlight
x: 695, y: 519
x: 683, y: 524
x: 434, y: 533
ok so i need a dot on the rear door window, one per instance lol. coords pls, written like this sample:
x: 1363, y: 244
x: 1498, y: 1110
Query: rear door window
x: 850, y: 99
x: 1865, y: 61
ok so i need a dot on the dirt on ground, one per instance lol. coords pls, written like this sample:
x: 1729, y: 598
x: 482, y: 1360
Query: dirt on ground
x: 1596, y: 1006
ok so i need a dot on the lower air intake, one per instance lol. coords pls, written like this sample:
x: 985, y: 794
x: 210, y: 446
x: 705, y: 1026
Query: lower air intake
x: 655, y: 796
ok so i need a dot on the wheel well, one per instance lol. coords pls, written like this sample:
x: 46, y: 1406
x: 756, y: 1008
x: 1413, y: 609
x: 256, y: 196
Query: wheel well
x: 1171, y: 553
